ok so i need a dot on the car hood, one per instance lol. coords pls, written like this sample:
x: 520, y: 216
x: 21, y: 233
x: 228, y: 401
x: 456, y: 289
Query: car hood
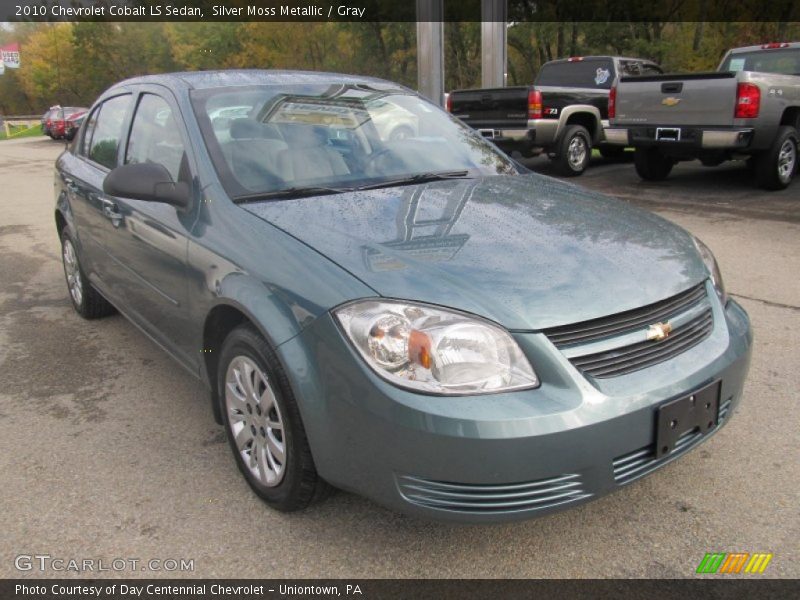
x: 527, y: 251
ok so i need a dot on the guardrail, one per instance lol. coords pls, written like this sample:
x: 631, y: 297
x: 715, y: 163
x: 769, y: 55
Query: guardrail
x: 17, y: 125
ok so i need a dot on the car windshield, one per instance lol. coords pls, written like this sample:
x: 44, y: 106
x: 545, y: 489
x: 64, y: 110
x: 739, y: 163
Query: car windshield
x: 785, y: 61
x: 268, y: 139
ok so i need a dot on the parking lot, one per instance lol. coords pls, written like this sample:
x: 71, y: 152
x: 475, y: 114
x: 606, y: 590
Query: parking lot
x: 109, y: 450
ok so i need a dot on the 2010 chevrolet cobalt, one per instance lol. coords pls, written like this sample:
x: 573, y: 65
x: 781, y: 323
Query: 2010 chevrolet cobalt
x: 379, y: 300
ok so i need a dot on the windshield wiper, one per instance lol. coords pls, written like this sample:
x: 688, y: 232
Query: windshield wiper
x: 418, y: 178
x: 292, y: 192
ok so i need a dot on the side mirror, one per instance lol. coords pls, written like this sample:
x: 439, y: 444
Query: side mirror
x: 146, y: 181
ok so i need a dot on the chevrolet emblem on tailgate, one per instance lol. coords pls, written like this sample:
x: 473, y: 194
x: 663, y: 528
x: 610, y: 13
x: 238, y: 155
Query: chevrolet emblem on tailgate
x: 671, y: 101
x: 659, y: 331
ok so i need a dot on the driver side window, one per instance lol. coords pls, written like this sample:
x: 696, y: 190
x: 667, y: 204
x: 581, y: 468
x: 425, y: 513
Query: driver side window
x: 155, y: 137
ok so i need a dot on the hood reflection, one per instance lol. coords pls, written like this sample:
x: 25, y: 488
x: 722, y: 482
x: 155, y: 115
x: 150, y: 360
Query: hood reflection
x: 425, y: 219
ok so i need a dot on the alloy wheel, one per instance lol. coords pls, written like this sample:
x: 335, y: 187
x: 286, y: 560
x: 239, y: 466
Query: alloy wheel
x: 787, y: 157
x: 576, y: 152
x: 73, y: 272
x: 255, y: 420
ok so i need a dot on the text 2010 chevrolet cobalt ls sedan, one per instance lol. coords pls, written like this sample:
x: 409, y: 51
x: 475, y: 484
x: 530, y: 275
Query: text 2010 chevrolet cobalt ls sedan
x: 413, y: 318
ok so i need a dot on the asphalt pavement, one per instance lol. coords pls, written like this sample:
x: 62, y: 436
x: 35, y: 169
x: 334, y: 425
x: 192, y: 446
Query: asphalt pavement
x: 108, y: 449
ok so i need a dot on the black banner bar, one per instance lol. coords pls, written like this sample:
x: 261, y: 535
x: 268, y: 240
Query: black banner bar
x: 396, y: 10
x: 713, y: 587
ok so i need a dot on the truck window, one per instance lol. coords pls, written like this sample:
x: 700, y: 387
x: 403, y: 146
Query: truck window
x: 637, y: 68
x: 785, y: 61
x: 596, y: 73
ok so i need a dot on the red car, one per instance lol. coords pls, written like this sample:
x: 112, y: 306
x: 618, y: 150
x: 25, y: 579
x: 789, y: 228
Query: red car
x: 62, y: 123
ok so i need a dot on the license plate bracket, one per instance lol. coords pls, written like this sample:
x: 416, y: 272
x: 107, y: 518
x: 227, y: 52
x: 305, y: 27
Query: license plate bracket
x: 699, y: 410
x: 668, y: 134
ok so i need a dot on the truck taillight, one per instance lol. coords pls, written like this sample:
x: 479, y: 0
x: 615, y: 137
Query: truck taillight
x: 534, y: 104
x: 748, y: 101
x: 448, y: 103
x: 612, y: 102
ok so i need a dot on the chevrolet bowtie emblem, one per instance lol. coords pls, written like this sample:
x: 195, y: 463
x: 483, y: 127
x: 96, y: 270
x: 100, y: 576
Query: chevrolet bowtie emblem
x: 659, y: 331
x: 670, y: 101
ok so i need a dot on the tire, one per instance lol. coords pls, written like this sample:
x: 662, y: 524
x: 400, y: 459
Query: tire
x: 272, y: 450
x: 651, y: 164
x: 574, y: 151
x: 776, y: 167
x: 86, y: 300
x: 612, y: 152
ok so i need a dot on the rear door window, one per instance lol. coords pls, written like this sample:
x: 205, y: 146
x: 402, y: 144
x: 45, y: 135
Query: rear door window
x: 106, y: 132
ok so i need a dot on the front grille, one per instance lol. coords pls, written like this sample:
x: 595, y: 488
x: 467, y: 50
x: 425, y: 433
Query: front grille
x: 627, y: 359
x: 639, y: 463
x: 477, y: 498
x: 625, y: 322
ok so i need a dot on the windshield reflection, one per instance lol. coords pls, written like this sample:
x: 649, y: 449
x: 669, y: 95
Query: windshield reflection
x: 273, y: 138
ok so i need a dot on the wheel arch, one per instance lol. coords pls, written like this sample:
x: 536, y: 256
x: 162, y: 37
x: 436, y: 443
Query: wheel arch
x: 791, y: 117
x: 582, y: 114
x: 273, y: 321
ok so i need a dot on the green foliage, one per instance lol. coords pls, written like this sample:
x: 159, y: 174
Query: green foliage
x: 71, y: 63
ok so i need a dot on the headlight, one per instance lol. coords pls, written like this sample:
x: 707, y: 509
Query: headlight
x: 434, y: 350
x: 713, y: 268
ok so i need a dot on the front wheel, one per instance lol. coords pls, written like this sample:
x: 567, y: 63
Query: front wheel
x: 263, y: 424
x: 574, y: 151
x: 776, y: 167
x: 652, y: 164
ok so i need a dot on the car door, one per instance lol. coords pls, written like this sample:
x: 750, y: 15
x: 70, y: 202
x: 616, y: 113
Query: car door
x: 95, y: 154
x: 150, y: 239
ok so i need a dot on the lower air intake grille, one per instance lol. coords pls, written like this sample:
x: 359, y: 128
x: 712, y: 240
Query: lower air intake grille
x: 475, y: 498
x: 641, y: 462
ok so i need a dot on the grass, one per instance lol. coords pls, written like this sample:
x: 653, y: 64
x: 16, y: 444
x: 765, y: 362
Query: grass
x: 20, y: 132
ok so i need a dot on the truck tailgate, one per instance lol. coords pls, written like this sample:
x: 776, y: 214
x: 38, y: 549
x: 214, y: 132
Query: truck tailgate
x: 492, y: 108
x: 706, y: 99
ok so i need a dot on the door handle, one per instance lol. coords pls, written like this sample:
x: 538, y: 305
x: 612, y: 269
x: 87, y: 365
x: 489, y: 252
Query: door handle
x: 70, y: 183
x: 111, y: 210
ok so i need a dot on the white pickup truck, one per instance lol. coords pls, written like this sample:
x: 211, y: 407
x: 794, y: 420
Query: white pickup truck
x: 749, y: 109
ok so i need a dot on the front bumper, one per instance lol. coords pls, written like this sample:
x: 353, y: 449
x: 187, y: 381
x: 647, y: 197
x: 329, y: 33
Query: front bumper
x: 691, y: 137
x: 506, y: 456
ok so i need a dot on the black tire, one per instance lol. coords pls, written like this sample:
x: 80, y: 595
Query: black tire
x: 651, y: 164
x: 771, y: 174
x: 90, y: 304
x: 612, y: 152
x: 300, y: 485
x: 571, y: 164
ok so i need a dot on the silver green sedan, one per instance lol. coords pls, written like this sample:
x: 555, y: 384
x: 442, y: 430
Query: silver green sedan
x: 413, y: 318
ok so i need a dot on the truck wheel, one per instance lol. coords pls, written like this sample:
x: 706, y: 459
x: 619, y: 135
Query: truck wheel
x: 652, y: 164
x: 574, y: 151
x: 776, y: 167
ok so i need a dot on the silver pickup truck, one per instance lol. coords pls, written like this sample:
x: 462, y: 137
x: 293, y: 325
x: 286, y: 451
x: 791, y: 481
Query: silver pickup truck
x: 749, y: 109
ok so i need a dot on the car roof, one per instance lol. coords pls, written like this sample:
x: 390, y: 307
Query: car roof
x: 188, y: 80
